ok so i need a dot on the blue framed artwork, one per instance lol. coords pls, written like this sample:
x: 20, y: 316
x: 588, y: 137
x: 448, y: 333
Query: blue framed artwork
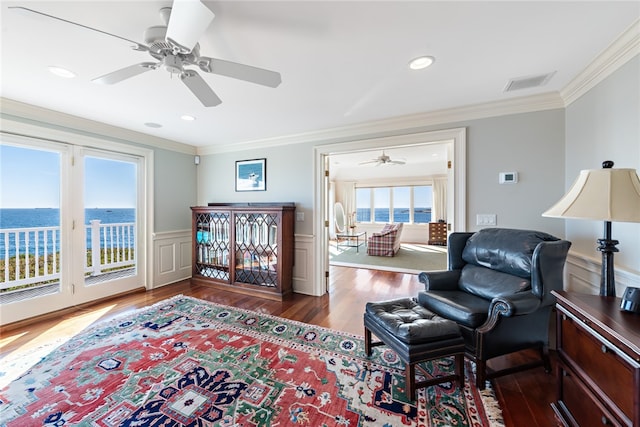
x: 251, y: 175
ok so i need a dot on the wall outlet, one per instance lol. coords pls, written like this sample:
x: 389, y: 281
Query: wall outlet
x: 486, y: 219
x: 299, y: 216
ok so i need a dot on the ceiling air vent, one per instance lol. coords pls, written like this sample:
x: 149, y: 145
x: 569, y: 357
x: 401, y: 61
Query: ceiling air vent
x: 528, y: 82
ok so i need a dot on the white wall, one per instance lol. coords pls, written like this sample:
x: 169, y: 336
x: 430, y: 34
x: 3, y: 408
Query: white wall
x: 530, y: 143
x: 289, y: 179
x: 604, y: 124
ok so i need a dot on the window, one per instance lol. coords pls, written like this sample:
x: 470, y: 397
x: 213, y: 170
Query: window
x: 402, y: 204
x: 381, y: 204
x: 422, y: 204
x: 406, y: 204
x: 363, y: 204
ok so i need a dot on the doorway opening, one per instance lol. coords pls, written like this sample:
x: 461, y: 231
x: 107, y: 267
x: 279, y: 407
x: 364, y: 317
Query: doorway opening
x: 453, y: 143
x: 73, y: 223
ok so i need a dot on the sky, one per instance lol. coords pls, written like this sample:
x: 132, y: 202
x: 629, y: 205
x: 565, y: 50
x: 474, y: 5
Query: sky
x: 30, y: 178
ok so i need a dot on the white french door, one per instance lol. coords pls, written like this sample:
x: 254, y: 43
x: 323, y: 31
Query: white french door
x: 107, y: 236
x: 33, y: 231
x: 73, y: 225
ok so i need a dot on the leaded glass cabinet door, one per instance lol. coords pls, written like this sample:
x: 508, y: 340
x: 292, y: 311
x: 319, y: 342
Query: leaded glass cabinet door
x: 212, y: 245
x: 256, y: 248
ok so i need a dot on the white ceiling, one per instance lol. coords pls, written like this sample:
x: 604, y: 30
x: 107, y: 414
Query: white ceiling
x: 420, y: 161
x: 342, y: 62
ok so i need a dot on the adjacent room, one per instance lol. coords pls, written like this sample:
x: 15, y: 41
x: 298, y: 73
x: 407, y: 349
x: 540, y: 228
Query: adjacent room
x: 363, y: 213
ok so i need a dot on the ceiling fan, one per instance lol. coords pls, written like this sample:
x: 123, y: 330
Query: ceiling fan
x: 382, y: 159
x: 174, y: 46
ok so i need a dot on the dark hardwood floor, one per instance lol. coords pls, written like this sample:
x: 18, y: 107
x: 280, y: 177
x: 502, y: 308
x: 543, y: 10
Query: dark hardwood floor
x: 524, y: 397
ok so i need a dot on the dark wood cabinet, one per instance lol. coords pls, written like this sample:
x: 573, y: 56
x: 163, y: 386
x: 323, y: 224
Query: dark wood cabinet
x: 598, y: 377
x: 438, y: 233
x: 245, y: 248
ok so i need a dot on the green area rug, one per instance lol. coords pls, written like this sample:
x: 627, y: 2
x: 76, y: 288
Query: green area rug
x: 189, y: 362
x: 411, y: 258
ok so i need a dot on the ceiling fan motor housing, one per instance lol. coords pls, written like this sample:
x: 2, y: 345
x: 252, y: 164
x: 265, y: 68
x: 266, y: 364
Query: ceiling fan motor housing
x: 172, y: 64
x: 154, y: 38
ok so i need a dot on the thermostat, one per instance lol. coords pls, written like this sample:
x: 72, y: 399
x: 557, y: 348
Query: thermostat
x: 508, y: 177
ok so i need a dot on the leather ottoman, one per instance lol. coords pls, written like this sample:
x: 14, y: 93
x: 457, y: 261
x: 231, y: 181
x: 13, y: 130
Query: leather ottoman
x: 416, y: 335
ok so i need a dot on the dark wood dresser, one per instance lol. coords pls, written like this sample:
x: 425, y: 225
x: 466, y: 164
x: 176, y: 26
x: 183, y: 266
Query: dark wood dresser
x: 438, y: 233
x: 598, y: 377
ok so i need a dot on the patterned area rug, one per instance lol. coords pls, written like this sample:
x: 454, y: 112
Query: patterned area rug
x: 185, y: 361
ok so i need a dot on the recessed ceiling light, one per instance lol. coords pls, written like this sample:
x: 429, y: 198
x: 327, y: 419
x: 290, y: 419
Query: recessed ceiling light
x: 187, y: 118
x: 153, y: 125
x: 61, y: 72
x: 421, y: 62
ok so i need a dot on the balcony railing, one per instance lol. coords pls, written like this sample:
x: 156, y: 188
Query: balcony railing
x: 31, y: 256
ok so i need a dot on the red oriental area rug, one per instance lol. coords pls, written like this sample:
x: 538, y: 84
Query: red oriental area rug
x: 189, y: 362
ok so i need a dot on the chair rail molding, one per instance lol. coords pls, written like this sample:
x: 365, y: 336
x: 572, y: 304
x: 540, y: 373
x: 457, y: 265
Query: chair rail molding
x: 582, y: 274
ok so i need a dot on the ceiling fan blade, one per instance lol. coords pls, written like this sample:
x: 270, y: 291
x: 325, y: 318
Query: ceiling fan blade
x: 240, y: 71
x: 200, y: 88
x: 136, y: 45
x: 369, y: 162
x: 188, y: 21
x: 125, y: 73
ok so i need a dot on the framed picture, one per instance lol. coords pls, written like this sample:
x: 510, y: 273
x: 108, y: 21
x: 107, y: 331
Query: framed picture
x: 251, y: 175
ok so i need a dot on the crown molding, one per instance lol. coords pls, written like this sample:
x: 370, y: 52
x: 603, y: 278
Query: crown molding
x: 546, y: 101
x: 20, y: 111
x: 618, y: 53
x: 623, y: 49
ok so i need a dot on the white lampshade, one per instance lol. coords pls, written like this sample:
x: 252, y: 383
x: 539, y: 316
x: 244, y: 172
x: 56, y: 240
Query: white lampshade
x: 605, y: 194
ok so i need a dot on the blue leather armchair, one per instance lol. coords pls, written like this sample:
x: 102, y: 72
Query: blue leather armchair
x: 498, y: 290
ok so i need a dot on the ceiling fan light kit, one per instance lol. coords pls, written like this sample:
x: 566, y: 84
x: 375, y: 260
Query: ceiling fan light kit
x: 175, y: 46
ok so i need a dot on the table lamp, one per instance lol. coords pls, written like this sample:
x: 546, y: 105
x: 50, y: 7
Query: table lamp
x: 607, y: 195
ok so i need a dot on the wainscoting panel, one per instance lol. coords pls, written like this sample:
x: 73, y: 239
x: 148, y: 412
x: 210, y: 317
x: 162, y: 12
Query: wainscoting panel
x: 303, y: 267
x: 172, y: 257
x: 582, y: 274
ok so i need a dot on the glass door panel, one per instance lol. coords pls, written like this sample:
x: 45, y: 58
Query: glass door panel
x: 257, y: 248
x: 32, y: 240
x: 212, y: 245
x: 110, y: 226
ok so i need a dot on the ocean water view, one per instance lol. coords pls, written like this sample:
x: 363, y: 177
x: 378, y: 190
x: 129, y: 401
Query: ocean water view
x: 420, y: 215
x: 50, y: 217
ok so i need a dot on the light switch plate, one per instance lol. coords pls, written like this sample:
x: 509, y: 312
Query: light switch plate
x: 486, y: 219
x: 299, y: 216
